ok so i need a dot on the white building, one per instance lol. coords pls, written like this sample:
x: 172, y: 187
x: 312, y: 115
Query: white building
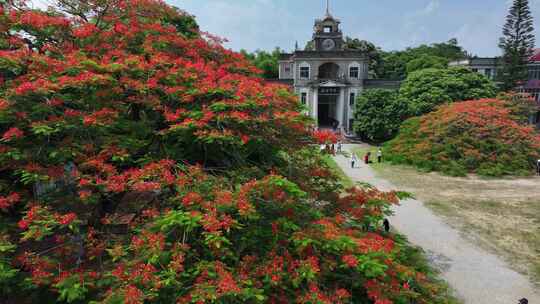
x: 330, y: 77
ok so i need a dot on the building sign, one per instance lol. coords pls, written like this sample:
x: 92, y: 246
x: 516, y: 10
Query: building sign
x: 328, y: 91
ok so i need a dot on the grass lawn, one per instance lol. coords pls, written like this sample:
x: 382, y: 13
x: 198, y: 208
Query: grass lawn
x: 502, y: 215
x: 345, y: 180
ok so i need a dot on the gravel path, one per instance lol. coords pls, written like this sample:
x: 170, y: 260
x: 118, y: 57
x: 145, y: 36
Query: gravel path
x: 478, y: 277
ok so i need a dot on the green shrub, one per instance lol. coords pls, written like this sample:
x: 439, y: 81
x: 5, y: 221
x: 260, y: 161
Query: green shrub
x: 378, y: 114
x: 426, y: 89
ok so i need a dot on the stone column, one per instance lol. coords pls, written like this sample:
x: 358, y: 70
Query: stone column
x: 315, y: 107
x: 341, y: 106
x: 346, y: 107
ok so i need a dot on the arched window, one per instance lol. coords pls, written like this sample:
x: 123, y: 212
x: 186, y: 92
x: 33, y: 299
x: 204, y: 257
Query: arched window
x: 329, y: 70
x: 354, y: 70
x: 305, y: 70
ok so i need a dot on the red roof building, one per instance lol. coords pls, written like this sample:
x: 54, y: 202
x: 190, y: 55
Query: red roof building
x: 535, y: 57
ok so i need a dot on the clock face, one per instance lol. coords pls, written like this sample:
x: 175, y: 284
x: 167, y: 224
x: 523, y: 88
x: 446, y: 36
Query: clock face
x: 328, y: 44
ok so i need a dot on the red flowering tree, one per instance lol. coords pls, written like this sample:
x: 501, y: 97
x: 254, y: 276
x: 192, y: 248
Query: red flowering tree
x: 141, y: 162
x: 325, y: 137
x: 487, y: 137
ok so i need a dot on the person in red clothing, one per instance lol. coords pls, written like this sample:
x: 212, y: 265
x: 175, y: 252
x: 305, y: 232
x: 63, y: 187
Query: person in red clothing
x: 366, y: 158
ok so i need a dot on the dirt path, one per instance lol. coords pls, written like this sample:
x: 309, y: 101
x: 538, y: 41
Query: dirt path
x: 478, y: 277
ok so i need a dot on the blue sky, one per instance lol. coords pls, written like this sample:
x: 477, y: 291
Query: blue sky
x: 390, y: 24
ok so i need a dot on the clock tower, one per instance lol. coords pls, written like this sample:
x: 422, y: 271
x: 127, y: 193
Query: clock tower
x: 327, y: 76
x: 327, y: 35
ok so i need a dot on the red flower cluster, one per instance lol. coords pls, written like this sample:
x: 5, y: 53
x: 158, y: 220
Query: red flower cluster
x: 12, y: 133
x: 8, y: 201
x: 39, y: 20
x: 85, y: 30
x: 3, y: 104
x: 350, y: 260
x: 102, y: 117
x: 325, y: 137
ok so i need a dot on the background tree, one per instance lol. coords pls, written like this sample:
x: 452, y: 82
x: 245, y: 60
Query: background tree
x: 378, y: 114
x: 395, y: 64
x: 426, y: 89
x: 373, y: 52
x: 427, y: 62
x: 517, y: 44
x: 267, y: 62
x: 398, y: 64
x: 310, y: 46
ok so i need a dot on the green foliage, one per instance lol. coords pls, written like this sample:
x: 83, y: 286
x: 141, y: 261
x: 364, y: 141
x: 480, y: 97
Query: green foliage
x: 403, y: 195
x: 517, y: 44
x: 478, y: 136
x: 310, y: 46
x: 378, y: 114
x: 395, y: 64
x: 267, y: 62
x: 398, y: 64
x: 7, y: 272
x: 426, y: 62
x: 71, y: 289
x: 424, y: 90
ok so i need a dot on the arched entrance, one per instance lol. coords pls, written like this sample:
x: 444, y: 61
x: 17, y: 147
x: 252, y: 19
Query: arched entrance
x: 329, y: 70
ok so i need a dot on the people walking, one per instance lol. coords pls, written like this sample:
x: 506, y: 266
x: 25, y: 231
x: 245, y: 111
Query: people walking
x: 379, y: 155
x: 367, y: 157
x: 353, y: 160
x: 386, y: 224
x: 339, y: 146
x: 538, y: 167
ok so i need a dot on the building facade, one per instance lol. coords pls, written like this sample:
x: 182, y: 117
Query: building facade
x: 490, y: 67
x: 532, y: 86
x: 486, y: 66
x: 328, y: 78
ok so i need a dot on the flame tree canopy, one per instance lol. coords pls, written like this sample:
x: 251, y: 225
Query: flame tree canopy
x: 141, y: 162
x: 487, y: 136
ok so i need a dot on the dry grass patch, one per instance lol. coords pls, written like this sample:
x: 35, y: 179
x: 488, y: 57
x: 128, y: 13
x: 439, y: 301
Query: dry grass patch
x: 502, y: 215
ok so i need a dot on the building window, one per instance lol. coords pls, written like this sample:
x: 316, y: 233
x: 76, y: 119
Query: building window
x: 303, y: 98
x: 287, y: 69
x: 354, y: 72
x: 534, y: 72
x: 327, y: 29
x: 488, y: 73
x: 352, y: 98
x: 304, y: 72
